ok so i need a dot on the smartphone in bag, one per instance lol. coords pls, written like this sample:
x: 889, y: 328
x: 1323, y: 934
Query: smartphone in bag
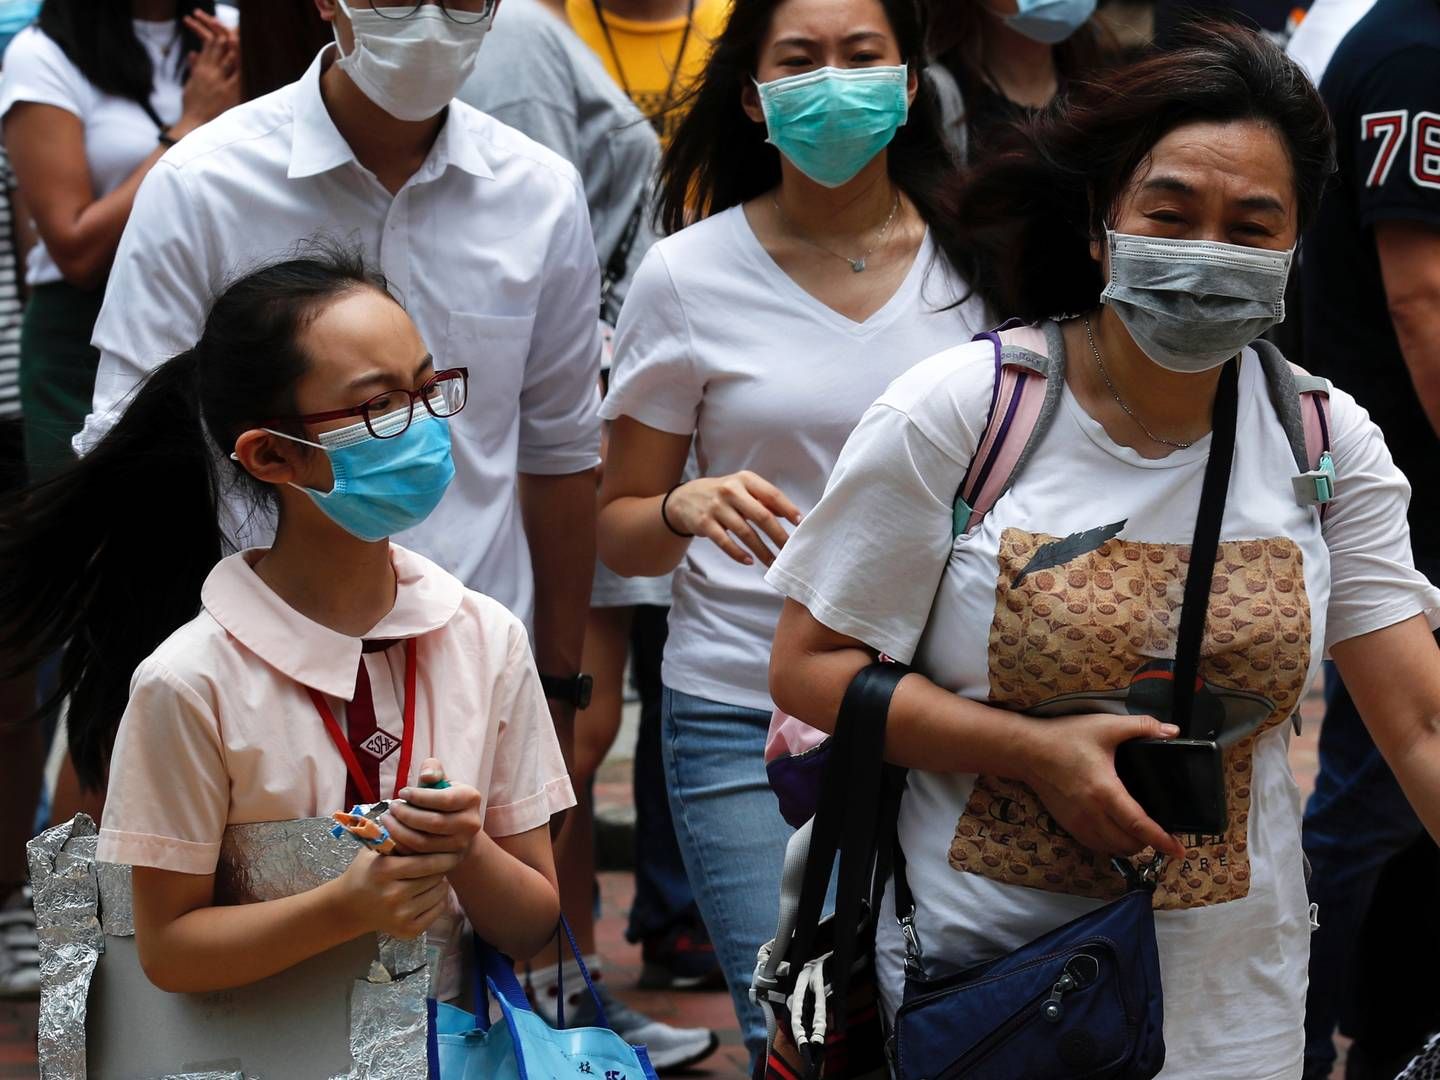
x: 1180, y: 783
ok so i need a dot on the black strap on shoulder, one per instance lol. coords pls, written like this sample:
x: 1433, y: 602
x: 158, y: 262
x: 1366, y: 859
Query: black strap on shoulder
x: 856, y: 793
x: 160, y: 125
x: 1203, y: 550
x: 616, y: 267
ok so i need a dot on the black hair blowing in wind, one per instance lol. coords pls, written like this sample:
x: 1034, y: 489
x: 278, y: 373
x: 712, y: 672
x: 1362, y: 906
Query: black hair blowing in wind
x: 105, y: 561
x: 1025, y: 216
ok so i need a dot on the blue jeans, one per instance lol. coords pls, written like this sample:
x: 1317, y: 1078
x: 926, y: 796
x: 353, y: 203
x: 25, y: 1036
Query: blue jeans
x: 731, y: 834
x: 663, y: 897
x: 1355, y: 822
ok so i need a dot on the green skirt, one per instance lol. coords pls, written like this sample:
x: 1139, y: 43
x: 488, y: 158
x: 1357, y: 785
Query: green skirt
x: 57, y: 372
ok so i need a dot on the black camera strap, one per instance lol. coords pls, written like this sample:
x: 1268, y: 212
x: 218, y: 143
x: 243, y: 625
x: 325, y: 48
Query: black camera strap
x: 1203, y: 551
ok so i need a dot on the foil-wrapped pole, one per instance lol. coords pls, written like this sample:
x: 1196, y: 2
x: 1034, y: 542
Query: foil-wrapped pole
x: 67, y: 899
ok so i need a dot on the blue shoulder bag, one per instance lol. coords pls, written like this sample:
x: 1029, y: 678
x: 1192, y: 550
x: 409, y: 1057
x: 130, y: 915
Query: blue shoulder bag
x: 522, y: 1046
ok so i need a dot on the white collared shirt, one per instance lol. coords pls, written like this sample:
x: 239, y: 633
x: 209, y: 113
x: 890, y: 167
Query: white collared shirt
x: 488, y: 246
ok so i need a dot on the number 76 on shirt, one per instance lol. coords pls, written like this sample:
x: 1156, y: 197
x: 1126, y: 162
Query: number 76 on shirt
x: 1390, y: 128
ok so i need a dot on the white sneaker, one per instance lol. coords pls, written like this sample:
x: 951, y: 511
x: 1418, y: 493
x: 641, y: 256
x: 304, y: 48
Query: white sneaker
x: 19, y: 948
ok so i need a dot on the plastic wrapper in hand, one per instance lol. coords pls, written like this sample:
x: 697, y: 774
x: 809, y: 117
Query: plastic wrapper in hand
x: 357, y: 1012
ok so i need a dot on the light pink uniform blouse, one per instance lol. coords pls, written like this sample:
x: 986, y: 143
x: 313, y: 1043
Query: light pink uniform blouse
x: 220, y: 729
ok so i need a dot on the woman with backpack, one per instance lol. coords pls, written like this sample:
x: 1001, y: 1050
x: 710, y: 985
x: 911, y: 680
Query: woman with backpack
x: 1147, y: 231
x: 330, y: 669
x: 820, y: 267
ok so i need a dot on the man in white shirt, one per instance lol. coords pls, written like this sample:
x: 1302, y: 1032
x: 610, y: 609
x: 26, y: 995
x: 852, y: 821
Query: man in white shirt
x: 484, y: 236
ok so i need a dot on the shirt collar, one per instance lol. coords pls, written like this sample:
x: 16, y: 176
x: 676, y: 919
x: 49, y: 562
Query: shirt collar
x: 426, y: 598
x: 317, y: 145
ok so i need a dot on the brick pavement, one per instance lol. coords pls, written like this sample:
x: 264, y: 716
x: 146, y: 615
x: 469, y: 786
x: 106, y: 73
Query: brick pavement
x: 622, y: 960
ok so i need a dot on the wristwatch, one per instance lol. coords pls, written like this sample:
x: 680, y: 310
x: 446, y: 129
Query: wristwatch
x: 571, y: 689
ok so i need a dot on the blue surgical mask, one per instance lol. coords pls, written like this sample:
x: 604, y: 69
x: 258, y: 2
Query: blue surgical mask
x: 383, y: 486
x: 15, y: 15
x: 1050, y: 21
x: 831, y: 122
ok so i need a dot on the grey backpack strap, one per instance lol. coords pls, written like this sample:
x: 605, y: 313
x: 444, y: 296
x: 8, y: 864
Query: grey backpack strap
x: 1302, y: 401
x: 1285, y: 397
x: 1029, y: 379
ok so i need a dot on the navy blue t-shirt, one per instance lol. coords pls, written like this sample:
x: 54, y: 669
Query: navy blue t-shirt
x: 1383, y: 91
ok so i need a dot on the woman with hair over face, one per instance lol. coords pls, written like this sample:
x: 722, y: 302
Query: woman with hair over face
x: 1147, y: 228
x: 821, y: 268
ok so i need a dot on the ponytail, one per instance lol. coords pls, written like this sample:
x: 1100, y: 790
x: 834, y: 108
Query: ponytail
x: 104, y: 562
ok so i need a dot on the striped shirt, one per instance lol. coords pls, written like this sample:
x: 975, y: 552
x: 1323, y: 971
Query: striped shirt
x: 10, y: 304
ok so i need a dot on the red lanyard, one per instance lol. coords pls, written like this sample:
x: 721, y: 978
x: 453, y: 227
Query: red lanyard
x: 407, y: 736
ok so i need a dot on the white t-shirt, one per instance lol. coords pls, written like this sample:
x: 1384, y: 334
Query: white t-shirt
x: 717, y: 341
x: 1321, y: 31
x: 1015, y: 624
x: 118, y: 133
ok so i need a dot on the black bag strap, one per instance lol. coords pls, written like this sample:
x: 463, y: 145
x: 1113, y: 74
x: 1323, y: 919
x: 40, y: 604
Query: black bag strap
x: 618, y: 265
x: 857, y: 792
x: 1203, y: 549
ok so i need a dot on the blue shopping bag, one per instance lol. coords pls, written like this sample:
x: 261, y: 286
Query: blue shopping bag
x: 522, y: 1046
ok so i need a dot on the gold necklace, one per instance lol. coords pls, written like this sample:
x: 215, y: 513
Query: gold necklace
x: 1095, y: 351
x: 857, y: 265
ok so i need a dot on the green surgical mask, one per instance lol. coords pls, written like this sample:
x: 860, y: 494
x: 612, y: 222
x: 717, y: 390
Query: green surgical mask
x: 831, y: 122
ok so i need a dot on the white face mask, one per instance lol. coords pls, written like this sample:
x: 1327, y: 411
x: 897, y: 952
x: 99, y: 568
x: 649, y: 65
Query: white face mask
x: 411, y: 65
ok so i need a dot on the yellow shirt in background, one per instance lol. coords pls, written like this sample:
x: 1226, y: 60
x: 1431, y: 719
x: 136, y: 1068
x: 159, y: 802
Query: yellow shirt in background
x: 645, y: 59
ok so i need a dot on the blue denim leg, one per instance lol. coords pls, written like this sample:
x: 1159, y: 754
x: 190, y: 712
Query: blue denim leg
x: 731, y: 834
x: 1356, y: 821
x: 663, y: 897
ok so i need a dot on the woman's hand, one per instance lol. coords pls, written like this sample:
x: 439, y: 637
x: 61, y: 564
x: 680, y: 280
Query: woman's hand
x: 214, y: 82
x: 1072, y: 769
x: 741, y: 505
x: 433, y: 819
x: 399, y: 895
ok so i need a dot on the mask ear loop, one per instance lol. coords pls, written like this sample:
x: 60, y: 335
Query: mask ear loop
x: 280, y: 434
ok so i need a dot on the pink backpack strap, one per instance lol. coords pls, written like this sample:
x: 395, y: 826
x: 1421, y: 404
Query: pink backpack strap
x: 1318, y: 484
x: 1017, y: 407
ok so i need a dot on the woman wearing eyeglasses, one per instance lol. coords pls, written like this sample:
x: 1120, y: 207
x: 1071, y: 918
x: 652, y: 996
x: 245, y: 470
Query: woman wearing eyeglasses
x: 331, y: 668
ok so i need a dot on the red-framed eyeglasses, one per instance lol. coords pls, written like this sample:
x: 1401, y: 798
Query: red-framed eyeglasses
x: 389, y: 412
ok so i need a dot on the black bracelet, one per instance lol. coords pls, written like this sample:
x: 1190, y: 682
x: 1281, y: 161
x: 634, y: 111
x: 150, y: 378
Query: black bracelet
x: 666, y: 518
x: 166, y: 139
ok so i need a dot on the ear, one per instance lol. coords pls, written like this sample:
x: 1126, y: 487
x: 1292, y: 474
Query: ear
x: 270, y: 459
x: 912, y: 84
x: 750, y: 102
x: 330, y: 12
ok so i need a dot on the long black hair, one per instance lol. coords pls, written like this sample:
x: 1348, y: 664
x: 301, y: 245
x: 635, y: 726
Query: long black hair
x: 105, y: 561
x: 956, y: 38
x: 719, y: 158
x: 98, y: 37
x: 1027, y: 214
